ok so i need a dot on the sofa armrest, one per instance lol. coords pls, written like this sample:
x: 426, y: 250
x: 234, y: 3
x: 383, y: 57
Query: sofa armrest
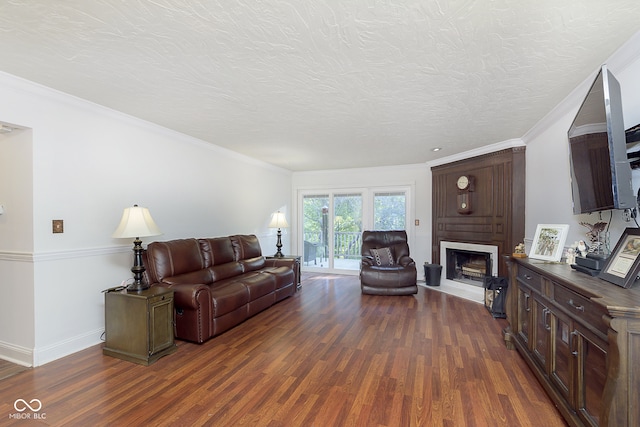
x: 405, y: 261
x: 367, y: 260
x: 286, y: 262
x: 187, y: 295
x: 280, y: 262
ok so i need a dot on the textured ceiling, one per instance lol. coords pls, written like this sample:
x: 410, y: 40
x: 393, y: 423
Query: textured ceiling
x: 320, y: 84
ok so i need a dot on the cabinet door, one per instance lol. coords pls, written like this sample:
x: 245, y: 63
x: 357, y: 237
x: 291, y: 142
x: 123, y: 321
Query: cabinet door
x: 524, y: 314
x: 591, y: 367
x: 562, y: 360
x: 542, y: 332
x: 160, y: 325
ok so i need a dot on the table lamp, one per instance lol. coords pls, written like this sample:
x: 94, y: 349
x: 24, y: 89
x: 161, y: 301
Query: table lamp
x: 278, y: 221
x: 136, y: 222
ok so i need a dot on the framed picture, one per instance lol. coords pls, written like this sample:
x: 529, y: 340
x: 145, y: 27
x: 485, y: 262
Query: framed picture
x: 548, y: 243
x: 622, y: 266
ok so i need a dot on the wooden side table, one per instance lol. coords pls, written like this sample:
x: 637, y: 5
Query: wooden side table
x: 139, y: 325
x: 297, y: 260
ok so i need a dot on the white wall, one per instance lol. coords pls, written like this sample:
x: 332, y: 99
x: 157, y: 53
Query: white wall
x: 548, y: 191
x: 84, y: 164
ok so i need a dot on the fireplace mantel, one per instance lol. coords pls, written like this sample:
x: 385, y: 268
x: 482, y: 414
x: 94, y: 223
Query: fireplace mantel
x: 496, y: 201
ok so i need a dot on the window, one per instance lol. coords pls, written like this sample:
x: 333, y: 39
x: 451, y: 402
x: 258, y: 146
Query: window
x: 389, y: 211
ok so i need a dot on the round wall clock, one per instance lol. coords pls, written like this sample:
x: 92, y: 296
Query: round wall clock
x: 463, y: 182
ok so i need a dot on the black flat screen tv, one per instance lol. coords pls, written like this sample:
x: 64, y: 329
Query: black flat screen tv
x: 600, y: 169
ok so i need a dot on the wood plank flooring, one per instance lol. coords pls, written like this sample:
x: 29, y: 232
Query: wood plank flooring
x: 8, y: 369
x: 328, y: 356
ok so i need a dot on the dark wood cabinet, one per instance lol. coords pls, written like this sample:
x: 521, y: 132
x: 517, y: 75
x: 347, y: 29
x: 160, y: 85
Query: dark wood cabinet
x: 580, y: 336
x: 139, y: 325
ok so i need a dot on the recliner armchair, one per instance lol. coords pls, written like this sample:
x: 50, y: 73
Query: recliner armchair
x: 386, y: 267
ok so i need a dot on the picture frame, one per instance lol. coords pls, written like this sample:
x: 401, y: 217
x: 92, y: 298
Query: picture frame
x: 623, y: 265
x: 548, y: 243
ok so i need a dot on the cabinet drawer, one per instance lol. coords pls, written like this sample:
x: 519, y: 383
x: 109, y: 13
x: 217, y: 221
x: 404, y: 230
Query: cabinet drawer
x: 157, y: 298
x: 530, y: 278
x: 581, y: 308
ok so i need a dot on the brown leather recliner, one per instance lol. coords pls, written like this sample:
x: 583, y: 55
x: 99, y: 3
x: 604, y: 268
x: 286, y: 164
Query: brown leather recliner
x: 386, y: 267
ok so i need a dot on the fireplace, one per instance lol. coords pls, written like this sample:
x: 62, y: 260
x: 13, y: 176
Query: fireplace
x: 468, y: 267
x: 468, y: 263
x: 494, y: 208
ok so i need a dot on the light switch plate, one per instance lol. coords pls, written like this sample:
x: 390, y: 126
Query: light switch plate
x: 58, y: 226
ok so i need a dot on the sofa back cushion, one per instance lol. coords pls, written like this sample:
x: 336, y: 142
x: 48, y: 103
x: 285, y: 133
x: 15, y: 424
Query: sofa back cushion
x: 247, y: 252
x: 217, y: 250
x: 174, y: 258
x: 219, y: 256
x: 395, y: 240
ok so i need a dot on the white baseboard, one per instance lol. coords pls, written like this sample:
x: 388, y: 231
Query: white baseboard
x: 39, y: 356
x: 16, y: 354
x: 64, y: 348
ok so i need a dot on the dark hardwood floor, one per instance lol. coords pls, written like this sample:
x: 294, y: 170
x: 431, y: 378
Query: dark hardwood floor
x: 328, y: 356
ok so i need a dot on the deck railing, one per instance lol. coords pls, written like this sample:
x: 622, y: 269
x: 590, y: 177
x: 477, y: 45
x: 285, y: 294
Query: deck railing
x: 346, y: 245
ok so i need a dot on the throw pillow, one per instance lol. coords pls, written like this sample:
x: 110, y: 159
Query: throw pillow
x: 382, y: 256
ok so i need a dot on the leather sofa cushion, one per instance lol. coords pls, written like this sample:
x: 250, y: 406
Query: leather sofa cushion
x: 195, y: 277
x: 173, y: 258
x: 246, y: 247
x: 392, y: 276
x: 227, y: 297
x: 217, y: 250
x: 252, y: 264
x: 258, y: 284
x: 284, y: 275
x: 225, y: 271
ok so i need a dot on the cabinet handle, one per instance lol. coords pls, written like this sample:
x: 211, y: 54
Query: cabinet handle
x: 574, y: 305
x: 526, y: 302
x: 574, y: 342
x: 545, y: 314
x: 526, y: 276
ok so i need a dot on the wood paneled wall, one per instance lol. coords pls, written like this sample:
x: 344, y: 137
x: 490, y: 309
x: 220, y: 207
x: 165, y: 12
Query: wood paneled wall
x: 496, y: 201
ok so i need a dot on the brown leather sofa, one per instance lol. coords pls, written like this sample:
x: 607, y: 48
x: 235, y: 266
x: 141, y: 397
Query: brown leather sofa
x: 218, y: 282
x: 386, y: 267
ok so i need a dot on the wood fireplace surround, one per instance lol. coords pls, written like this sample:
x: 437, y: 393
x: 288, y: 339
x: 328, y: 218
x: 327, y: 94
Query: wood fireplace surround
x: 485, y: 207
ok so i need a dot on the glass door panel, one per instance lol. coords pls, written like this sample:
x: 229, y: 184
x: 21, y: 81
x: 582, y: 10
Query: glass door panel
x: 347, y: 229
x: 593, y: 375
x: 315, y: 226
x: 524, y: 313
x: 561, y: 354
x: 542, y: 331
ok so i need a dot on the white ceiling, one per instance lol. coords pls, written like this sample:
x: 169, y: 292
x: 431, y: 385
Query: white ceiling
x: 320, y: 84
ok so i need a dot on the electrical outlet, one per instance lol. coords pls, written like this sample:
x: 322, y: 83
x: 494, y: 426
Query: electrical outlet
x: 417, y: 222
x: 58, y: 226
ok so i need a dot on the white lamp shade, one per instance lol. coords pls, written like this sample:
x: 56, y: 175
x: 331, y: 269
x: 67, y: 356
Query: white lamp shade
x: 278, y: 221
x: 136, y: 222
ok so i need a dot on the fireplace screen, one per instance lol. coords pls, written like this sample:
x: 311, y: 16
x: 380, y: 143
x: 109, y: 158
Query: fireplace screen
x: 469, y: 267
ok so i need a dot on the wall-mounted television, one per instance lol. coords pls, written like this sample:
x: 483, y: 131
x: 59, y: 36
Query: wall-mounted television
x: 600, y: 169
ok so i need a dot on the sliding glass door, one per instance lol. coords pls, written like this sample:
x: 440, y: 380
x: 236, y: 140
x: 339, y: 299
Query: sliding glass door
x: 332, y: 222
